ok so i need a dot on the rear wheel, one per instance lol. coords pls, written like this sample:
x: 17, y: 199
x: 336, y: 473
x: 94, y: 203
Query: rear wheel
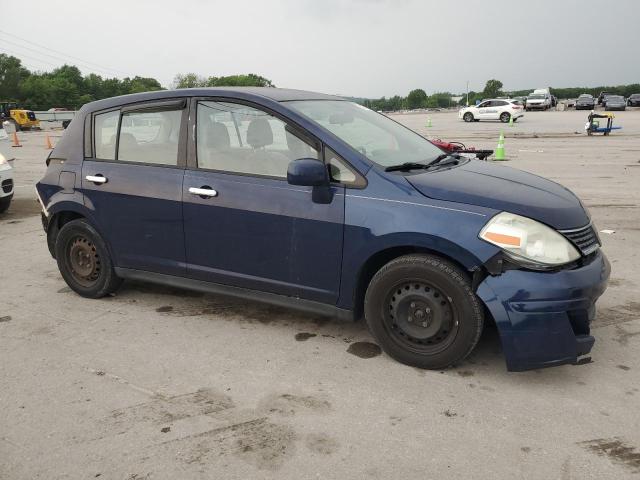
x: 84, y: 261
x: 504, y: 117
x: 468, y: 117
x: 422, y: 311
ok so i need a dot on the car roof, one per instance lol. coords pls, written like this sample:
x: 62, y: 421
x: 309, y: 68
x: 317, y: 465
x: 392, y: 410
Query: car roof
x: 271, y: 93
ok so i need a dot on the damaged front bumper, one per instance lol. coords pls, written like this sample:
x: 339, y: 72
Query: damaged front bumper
x: 544, y: 317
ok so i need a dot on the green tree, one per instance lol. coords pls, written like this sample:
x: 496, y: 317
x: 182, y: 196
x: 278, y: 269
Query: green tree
x: 249, y: 80
x: 416, y: 99
x: 12, y: 74
x: 492, y: 89
x: 189, y: 80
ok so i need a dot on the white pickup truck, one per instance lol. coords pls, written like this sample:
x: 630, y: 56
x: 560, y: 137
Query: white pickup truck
x: 539, y: 99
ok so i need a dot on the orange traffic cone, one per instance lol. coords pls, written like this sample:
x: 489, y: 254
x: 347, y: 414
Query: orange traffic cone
x: 48, y: 145
x: 16, y: 142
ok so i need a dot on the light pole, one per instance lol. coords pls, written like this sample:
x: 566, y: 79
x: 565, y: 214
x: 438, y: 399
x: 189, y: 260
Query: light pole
x: 467, y: 93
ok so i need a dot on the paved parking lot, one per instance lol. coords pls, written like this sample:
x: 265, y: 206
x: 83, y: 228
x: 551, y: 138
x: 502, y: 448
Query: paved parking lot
x: 160, y: 383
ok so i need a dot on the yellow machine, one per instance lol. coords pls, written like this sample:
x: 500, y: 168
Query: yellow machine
x: 21, y: 119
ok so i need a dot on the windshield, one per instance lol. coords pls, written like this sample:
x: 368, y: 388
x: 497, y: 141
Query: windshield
x: 536, y: 96
x: 376, y: 136
x: 614, y: 97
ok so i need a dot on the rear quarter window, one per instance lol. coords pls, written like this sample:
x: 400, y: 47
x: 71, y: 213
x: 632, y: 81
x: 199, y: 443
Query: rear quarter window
x: 105, y: 130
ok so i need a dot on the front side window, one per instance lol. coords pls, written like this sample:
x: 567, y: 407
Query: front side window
x: 150, y: 137
x: 105, y: 128
x: 376, y: 136
x: 241, y: 139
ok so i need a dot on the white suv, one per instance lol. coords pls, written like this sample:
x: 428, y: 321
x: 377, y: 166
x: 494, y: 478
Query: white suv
x: 6, y: 173
x: 493, y: 109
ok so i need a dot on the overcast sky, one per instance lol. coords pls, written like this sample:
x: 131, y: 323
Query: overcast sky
x: 365, y: 48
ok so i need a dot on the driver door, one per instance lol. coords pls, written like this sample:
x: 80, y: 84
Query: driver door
x: 483, y: 110
x: 244, y: 225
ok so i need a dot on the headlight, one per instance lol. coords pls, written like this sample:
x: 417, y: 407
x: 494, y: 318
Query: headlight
x: 528, y: 242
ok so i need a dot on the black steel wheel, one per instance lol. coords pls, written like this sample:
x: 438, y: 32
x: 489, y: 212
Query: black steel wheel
x: 421, y: 317
x: 84, y: 261
x: 422, y: 311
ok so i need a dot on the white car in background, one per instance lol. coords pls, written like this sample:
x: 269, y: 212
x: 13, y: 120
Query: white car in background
x: 6, y: 172
x: 493, y: 109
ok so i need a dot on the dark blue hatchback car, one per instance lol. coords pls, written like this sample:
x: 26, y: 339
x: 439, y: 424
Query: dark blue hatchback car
x: 310, y: 201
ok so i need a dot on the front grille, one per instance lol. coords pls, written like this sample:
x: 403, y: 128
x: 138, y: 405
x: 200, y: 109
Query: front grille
x: 585, y: 238
x: 7, y: 185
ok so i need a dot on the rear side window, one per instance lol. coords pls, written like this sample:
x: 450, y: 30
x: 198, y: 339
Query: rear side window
x: 150, y: 137
x: 105, y: 128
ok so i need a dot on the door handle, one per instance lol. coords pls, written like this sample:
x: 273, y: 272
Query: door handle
x: 96, y: 178
x: 204, y: 191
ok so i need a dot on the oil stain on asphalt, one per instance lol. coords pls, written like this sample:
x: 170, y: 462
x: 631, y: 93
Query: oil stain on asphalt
x: 615, y: 449
x: 304, y: 336
x: 364, y: 349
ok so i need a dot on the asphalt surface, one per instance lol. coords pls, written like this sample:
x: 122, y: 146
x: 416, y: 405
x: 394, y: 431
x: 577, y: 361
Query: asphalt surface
x: 159, y: 383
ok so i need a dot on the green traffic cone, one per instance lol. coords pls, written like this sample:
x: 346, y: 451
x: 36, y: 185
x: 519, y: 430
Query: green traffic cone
x: 499, y: 154
x: 511, y: 120
x: 429, y: 122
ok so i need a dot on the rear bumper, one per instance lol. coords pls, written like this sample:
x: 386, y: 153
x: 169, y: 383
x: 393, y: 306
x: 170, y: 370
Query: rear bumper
x: 544, y: 318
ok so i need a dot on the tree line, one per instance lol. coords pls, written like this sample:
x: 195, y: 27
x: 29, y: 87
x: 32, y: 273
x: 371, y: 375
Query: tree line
x: 66, y: 87
x: 418, y: 98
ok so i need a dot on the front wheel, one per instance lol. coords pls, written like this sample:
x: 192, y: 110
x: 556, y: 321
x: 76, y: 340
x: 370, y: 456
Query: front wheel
x: 422, y: 311
x: 468, y: 117
x: 4, y: 203
x: 84, y: 261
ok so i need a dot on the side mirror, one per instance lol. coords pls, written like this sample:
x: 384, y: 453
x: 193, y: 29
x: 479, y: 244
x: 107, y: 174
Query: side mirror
x: 307, y: 172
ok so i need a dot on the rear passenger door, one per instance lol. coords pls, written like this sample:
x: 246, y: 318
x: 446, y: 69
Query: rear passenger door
x: 132, y: 181
x: 244, y: 224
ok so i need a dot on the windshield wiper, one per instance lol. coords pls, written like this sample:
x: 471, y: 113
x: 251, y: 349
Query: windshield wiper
x: 406, y: 166
x: 415, y: 165
x: 440, y: 158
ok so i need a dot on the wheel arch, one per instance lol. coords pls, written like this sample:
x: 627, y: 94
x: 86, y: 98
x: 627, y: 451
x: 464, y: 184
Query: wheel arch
x: 464, y: 260
x: 62, y: 213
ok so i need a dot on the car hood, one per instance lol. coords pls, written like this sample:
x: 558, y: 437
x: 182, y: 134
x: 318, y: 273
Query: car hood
x: 506, y: 189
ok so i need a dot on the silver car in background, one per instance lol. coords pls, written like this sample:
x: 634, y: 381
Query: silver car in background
x: 615, y: 102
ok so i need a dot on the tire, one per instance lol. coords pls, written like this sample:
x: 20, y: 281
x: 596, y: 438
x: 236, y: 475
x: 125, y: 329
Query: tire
x: 468, y: 117
x: 84, y: 261
x: 504, y: 117
x: 4, y: 203
x: 65, y: 124
x: 419, y: 287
